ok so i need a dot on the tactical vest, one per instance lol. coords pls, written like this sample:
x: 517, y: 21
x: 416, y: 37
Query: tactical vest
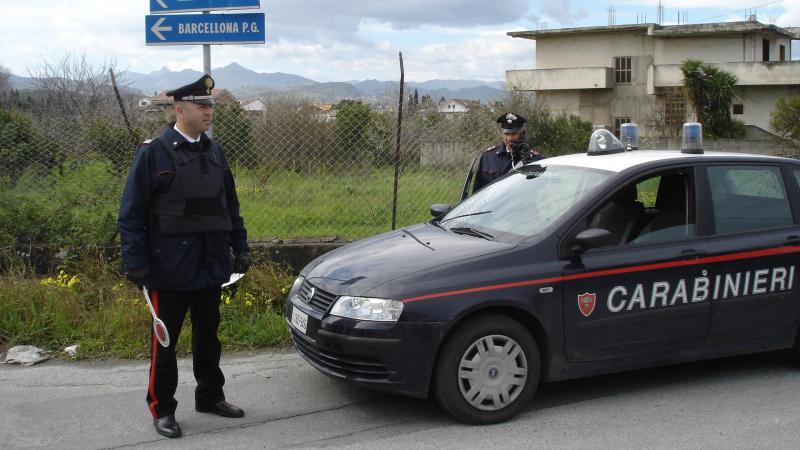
x: 196, y: 200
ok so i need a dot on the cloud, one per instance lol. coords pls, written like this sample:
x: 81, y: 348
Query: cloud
x: 485, y: 57
x: 315, y: 20
x: 791, y: 16
x: 318, y: 38
x: 561, y: 11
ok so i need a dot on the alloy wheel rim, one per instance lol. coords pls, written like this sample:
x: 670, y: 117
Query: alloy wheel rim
x: 492, y: 372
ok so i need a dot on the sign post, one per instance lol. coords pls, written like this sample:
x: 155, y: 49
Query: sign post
x: 204, y: 29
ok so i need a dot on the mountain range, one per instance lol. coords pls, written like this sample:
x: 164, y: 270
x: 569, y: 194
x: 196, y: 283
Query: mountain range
x: 246, y: 83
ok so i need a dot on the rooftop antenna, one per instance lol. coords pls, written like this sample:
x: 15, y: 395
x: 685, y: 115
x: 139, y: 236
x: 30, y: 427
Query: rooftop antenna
x: 660, y: 13
x: 612, y: 16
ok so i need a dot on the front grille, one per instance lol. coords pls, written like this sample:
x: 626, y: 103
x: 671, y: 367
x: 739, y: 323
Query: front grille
x: 320, y: 301
x: 344, y: 366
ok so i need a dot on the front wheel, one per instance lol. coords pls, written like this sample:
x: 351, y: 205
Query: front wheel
x: 488, y: 370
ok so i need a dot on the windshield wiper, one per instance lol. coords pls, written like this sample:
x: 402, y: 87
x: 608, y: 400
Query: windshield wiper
x: 465, y: 215
x: 472, y: 232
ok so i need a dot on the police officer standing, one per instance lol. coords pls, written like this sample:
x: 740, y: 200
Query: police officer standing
x: 513, y: 152
x: 179, y: 220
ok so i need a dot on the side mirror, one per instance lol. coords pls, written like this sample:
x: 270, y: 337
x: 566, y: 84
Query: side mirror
x: 591, y: 238
x: 440, y: 209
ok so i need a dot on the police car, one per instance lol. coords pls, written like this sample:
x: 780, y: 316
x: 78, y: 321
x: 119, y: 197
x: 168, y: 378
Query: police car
x: 573, y: 266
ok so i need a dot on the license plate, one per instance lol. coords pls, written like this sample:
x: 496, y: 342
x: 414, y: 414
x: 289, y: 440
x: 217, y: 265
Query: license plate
x: 299, y: 319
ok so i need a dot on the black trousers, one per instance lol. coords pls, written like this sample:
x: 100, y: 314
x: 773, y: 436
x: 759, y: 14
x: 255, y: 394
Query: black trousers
x: 171, y: 307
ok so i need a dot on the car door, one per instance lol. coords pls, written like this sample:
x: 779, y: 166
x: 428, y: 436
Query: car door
x: 754, y: 253
x: 642, y: 294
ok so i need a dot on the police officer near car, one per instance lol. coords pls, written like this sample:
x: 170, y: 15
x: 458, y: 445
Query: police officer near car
x: 512, y: 153
x: 182, y: 236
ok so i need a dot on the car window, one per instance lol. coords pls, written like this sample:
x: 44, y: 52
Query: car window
x: 796, y: 173
x: 526, y: 202
x: 659, y: 207
x: 748, y: 198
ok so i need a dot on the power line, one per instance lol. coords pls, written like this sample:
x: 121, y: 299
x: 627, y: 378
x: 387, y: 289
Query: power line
x: 741, y: 10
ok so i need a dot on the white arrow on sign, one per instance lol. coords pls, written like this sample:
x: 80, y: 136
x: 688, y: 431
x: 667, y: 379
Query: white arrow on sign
x: 157, y: 28
x: 161, y: 2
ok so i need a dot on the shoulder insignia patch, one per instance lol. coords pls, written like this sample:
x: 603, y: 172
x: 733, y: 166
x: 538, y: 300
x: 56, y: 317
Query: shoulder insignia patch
x: 147, y: 141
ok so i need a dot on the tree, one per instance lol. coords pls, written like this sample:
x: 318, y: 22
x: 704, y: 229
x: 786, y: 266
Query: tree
x: 233, y: 130
x: 75, y: 86
x: 786, y: 121
x: 352, y: 137
x: 21, y: 146
x: 711, y: 91
x: 5, y: 75
x: 112, y: 141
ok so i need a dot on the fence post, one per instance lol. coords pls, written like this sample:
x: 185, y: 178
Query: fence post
x: 397, y: 145
x: 122, y: 108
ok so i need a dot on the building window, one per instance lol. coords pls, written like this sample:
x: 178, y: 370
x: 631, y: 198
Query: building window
x: 783, y: 53
x: 623, y: 72
x: 618, y: 121
x: 738, y: 109
x: 766, y: 50
x: 674, y: 108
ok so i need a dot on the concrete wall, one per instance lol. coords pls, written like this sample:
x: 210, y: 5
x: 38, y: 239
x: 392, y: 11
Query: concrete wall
x: 447, y: 153
x: 759, y: 102
x: 561, y: 79
x: 748, y: 73
x: 590, y: 50
x: 708, y: 49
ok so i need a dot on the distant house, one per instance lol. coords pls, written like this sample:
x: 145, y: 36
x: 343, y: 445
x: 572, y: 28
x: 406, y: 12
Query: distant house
x: 254, y: 107
x: 160, y: 102
x: 457, y: 106
x: 324, y: 112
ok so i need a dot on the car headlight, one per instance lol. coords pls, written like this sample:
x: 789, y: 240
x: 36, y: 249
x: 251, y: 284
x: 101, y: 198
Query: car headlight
x: 295, y: 287
x: 364, y: 308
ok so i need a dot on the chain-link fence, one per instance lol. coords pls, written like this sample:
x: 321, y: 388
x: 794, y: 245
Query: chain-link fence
x: 302, y: 171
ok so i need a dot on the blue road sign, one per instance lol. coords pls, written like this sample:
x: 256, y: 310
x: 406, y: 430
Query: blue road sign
x: 171, y: 6
x: 188, y: 29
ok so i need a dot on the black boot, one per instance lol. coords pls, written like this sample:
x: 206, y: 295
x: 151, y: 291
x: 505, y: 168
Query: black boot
x: 222, y: 408
x: 167, y: 426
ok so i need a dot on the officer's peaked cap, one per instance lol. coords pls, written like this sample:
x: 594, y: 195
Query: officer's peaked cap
x: 198, y: 92
x: 511, y: 123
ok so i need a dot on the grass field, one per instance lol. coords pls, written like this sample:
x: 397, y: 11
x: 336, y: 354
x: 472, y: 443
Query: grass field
x: 79, y: 205
x: 349, y: 205
x: 89, y: 304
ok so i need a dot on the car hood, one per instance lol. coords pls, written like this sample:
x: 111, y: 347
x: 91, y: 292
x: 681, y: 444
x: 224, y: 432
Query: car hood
x: 357, y: 268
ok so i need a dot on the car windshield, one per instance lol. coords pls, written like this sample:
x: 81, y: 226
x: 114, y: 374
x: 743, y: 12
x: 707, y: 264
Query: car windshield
x: 524, y: 203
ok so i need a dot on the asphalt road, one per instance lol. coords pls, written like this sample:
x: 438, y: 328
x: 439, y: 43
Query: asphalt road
x: 743, y: 402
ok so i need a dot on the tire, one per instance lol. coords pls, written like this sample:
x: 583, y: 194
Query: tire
x: 487, y: 370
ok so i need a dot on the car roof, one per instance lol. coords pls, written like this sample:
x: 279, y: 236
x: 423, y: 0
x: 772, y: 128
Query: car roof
x: 617, y: 162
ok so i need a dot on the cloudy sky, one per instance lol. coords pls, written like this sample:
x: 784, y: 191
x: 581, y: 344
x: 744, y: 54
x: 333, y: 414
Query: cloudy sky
x: 337, y: 40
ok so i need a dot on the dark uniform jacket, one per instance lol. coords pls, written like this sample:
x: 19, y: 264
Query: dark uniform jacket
x: 496, y: 162
x: 176, y: 261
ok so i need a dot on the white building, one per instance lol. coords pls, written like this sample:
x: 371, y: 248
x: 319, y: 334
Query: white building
x: 453, y: 106
x: 615, y: 74
x: 253, y: 106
